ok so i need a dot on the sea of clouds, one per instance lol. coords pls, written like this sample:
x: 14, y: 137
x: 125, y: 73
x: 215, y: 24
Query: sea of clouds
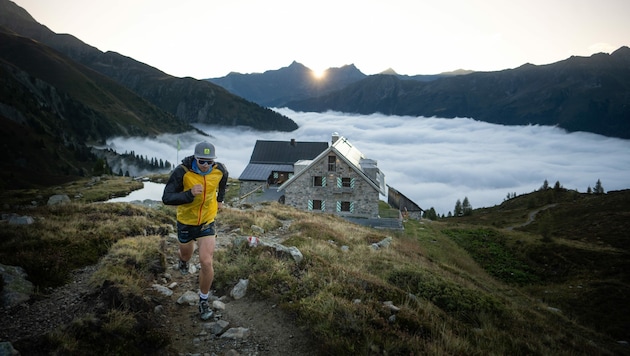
x: 432, y: 161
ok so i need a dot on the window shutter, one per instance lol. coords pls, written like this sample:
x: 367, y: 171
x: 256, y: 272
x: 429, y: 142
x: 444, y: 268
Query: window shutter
x: 275, y: 175
x: 310, y: 205
x: 323, y: 181
x: 339, y: 183
x: 323, y: 205
x: 352, y: 207
x: 352, y: 183
x: 338, y: 206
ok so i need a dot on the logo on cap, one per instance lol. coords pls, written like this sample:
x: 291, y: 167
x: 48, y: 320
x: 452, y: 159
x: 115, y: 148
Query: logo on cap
x: 206, y: 151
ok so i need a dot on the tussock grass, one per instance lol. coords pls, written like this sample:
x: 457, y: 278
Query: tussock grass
x: 129, y: 263
x: 122, y: 321
x: 243, y: 220
x: 69, y: 236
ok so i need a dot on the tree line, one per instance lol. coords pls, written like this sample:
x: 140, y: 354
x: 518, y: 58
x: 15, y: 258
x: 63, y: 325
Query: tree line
x: 102, y: 166
x: 464, y: 208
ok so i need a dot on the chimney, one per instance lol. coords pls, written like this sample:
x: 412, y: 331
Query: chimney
x: 335, y: 137
x: 292, y: 142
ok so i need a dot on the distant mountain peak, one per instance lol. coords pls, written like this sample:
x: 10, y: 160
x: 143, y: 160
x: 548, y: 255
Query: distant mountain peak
x: 389, y: 71
x: 623, y: 50
x: 458, y: 72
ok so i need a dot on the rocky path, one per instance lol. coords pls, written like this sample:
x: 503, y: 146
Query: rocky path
x: 47, y: 314
x: 261, y: 327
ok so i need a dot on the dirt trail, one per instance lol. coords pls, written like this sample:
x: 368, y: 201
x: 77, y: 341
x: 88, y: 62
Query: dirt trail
x: 532, y: 217
x: 45, y: 315
x: 272, y: 331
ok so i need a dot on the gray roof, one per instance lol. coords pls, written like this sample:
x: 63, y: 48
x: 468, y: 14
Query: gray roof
x: 260, y: 172
x: 400, y: 201
x: 279, y: 156
x: 285, y: 152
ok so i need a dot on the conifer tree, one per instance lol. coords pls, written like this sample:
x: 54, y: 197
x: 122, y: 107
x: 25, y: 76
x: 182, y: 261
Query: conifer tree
x: 545, y: 185
x: 599, y: 189
x: 431, y: 214
x: 99, y: 167
x: 466, y: 207
x: 459, y: 211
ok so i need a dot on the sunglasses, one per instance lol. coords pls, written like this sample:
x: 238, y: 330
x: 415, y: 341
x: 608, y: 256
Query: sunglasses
x: 204, y: 161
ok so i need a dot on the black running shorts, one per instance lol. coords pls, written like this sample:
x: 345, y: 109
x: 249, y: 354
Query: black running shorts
x: 188, y: 233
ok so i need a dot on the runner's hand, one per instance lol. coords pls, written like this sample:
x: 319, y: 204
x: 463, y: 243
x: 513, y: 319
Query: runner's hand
x: 196, y: 189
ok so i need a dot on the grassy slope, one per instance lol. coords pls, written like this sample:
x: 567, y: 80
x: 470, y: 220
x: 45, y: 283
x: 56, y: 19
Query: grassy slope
x: 463, y: 285
x: 575, y: 254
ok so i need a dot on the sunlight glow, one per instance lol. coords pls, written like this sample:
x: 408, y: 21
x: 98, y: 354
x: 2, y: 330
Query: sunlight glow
x: 318, y: 73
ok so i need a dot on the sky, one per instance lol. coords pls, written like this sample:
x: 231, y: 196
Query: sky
x: 211, y: 38
x: 432, y: 161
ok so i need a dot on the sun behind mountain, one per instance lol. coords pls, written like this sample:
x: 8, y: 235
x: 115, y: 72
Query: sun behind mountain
x: 318, y: 73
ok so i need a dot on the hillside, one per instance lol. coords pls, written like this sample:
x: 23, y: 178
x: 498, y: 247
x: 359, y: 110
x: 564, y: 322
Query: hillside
x: 191, y: 100
x: 491, y: 283
x: 578, y: 94
x: 582, y: 265
x: 60, y: 96
x: 52, y: 108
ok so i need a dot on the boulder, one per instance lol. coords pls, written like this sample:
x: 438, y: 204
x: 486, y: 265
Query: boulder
x: 240, y: 289
x: 21, y: 220
x: 6, y: 349
x: 236, y: 333
x: 58, y: 199
x: 190, y: 298
x: 16, y: 289
x: 292, y: 251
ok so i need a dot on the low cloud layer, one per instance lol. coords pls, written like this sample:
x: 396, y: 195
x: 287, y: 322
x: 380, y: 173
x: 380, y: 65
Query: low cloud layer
x: 432, y: 161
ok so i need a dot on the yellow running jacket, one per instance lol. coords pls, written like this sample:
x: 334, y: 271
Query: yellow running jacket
x: 200, y: 209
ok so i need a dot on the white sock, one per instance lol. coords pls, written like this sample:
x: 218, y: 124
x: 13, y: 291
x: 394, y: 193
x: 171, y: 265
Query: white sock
x: 203, y: 296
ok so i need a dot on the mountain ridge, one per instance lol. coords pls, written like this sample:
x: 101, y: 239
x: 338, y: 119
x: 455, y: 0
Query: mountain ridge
x: 273, y: 88
x: 277, y: 87
x: 194, y: 101
x: 589, y: 94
